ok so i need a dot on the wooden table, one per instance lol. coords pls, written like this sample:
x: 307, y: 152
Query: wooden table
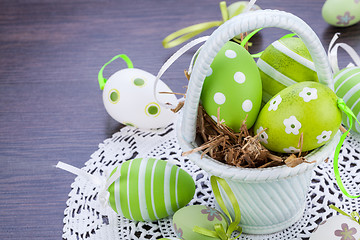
x: 50, y: 103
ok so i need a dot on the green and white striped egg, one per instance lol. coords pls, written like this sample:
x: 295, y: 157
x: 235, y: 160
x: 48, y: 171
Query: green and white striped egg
x: 283, y: 63
x: 149, y: 189
x: 232, y: 84
x: 308, y: 108
x: 347, y: 87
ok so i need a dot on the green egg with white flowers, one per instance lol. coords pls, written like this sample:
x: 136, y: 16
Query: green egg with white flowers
x: 307, y: 109
x: 232, y: 84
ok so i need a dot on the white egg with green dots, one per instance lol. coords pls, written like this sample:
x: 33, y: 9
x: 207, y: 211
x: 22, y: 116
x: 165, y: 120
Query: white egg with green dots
x: 128, y: 97
x: 283, y: 63
x: 232, y: 84
x: 307, y: 109
x: 149, y: 189
x: 347, y: 87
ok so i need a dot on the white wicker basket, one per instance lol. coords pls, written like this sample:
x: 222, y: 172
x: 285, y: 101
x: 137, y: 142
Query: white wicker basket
x: 270, y: 199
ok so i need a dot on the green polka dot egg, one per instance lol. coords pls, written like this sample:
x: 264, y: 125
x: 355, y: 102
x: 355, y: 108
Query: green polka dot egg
x: 347, y: 87
x: 128, y: 97
x: 307, y: 108
x: 232, y: 83
x: 185, y: 219
x: 149, y: 189
x: 283, y: 63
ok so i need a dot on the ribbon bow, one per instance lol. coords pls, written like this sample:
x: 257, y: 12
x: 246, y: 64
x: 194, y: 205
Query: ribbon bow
x: 187, y: 33
x: 219, y: 231
x: 342, y: 106
x: 102, y: 184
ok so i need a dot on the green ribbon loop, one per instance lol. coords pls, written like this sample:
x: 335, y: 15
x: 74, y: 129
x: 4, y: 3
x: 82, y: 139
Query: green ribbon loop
x: 103, y: 80
x: 185, y: 34
x: 220, y: 232
x: 342, y: 106
x: 354, y: 215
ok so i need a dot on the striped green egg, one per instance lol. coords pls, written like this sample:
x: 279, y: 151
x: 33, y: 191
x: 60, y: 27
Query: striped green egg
x: 347, y: 87
x: 149, y: 189
x: 283, y: 63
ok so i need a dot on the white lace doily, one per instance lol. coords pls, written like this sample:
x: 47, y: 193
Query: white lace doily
x: 85, y: 218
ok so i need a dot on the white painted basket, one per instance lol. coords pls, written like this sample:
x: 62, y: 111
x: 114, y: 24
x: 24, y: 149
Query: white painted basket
x: 270, y: 199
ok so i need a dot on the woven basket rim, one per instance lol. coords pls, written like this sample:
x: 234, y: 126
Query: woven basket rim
x: 220, y: 169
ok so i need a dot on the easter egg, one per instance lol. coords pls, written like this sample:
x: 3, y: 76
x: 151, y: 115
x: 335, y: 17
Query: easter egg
x: 283, y: 63
x: 347, y: 87
x: 128, y: 97
x: 171, y: 238
x: 232, y: 83
x: 337, y: 228
x: 341, y: 13
x: 149, y: 189
x: 307, y: 108
x: 185, y: 219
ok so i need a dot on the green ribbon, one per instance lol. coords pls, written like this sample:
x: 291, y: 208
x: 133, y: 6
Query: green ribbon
x: 185, y: 34
x: 354, y: 215
x: 103, y: 80
x: 341, y: 104
x: 219, y: 232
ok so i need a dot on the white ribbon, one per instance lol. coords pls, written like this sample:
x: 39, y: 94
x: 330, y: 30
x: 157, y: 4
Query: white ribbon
x: 332, y: 54
x: 171, y: 60
x: 101, y: 183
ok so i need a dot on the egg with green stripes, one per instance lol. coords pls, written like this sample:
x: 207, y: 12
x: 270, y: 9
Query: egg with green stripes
x: 283, y: 63
x: 149, y: 189
x: 347, y: 87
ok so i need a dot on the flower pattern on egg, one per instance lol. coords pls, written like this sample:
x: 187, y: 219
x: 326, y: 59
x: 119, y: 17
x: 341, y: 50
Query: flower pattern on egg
x: 345, y: 19
x: 292, y: 125
x: 211, y: 214
x: 324, y: 136
x: 263, y: 137
x: 178, y: 231
x: 291, y: 150
x: 274, y: 103
x: 346, y: 233
x: 308, y: 94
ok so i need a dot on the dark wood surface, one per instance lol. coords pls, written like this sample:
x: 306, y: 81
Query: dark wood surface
x: 50, y: 103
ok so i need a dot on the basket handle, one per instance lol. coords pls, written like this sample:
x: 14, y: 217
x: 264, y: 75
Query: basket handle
x: 244, y: 23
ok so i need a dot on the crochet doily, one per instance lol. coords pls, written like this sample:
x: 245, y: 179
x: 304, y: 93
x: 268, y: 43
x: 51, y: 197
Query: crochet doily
x: 86, y: 218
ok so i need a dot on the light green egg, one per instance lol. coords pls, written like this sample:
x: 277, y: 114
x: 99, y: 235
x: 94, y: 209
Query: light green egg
x: 185, y: 219
x: 171, y: 238
x: 347, y: 87
x: 307, y: 108
x: 283, y: 63
x: 341, y: 13
x: 149, y: 189
x: 233, y: 83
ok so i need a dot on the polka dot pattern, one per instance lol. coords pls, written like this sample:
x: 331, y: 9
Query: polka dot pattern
x: 247, y: 105
x: 239, y: 77
x: 226, y: 87
x: 230, y: 54
x: 219, y: 98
